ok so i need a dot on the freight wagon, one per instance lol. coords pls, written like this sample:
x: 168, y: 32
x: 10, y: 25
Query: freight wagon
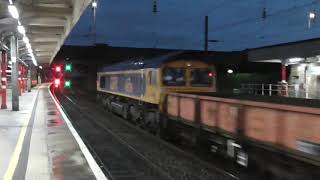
x: 280, y: 140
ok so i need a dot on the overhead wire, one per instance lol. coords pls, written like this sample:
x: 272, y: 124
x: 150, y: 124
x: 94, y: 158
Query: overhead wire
x: 255, y: 19
x: 246, y: 38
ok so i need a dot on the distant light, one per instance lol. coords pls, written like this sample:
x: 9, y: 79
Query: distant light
x: 25, y: 39
x: 28, y: 46
x: 58, y: 69
x: 230, y: 71
x: 68, y: 67
x: 94, y: 4
x: 21, y: 29
x: 188, y: 64
x: 40, y: 67
x: 312, y: 15
x: 67, y: 84
x: 13, y: 11
x: 295, y: 60
x: 57, y: 81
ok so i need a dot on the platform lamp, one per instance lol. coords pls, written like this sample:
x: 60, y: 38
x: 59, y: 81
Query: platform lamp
x: 311, y: 19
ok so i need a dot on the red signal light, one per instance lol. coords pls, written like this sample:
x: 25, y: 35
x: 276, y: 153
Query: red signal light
x: 210, y: 74
x: 57, y: 82
x: 58, y: 69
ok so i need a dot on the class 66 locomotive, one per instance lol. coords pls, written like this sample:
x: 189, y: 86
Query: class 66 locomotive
x: 136, y: 89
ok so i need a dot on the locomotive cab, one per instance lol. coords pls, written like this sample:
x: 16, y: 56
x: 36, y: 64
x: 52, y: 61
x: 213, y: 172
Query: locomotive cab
x: 187, y: 76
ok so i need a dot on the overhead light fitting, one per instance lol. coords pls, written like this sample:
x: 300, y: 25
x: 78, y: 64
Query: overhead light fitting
x: 312, y: 18
x: 13, y: 11
x: 34, y: 61
x: 15, y: 14
x: 295, y: 60
x: 94, y: 4
x: 28, y: 46
x: 25, y: 39
x: 21, y: 29
x: 312, y: 15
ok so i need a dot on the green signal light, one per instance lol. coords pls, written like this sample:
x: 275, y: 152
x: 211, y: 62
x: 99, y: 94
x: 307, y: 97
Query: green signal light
x: 68, y: 67
x: 67, y: 84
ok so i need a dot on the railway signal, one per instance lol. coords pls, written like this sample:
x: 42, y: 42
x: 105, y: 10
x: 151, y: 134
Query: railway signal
x: 62, y: 73
x: 58, y: 69
x: 56, y: 83
x: 68, y: 68
x: 67, y: 83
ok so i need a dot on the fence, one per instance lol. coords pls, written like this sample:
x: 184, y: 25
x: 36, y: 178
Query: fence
x: 288, y: 90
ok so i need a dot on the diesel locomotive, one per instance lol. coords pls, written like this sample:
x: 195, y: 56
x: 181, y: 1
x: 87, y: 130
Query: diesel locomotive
x: 136, y: 89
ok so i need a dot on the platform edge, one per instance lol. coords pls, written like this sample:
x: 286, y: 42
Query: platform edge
x: 98, y: 173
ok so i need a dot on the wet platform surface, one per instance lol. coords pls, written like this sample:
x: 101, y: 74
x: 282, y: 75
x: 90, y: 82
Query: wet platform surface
x: 37, y: 142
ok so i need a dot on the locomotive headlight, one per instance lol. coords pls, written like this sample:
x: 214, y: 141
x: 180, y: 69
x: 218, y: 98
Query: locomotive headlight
x: 230, y: 71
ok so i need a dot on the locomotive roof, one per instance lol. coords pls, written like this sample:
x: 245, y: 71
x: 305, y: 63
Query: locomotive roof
x: 155, y: 62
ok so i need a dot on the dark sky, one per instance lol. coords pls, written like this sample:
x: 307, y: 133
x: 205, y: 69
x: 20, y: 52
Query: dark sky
x: 179, y: 24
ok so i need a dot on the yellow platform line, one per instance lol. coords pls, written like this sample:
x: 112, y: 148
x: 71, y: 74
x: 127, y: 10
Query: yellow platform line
x: 17, y: 151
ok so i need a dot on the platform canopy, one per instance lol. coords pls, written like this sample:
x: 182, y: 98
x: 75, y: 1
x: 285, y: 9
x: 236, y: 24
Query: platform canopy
x: 280, y: 52
x: 46, y: 22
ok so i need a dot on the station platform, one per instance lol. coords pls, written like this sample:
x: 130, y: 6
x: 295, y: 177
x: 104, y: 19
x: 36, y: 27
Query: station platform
x: 39, y: 142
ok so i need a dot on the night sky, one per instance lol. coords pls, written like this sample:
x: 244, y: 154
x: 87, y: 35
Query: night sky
x: 179, y: 24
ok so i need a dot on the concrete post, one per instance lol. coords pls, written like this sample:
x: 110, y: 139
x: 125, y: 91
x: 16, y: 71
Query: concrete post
x: 19, y: 79
x: 4, y: 79
x: 15, y: 72
x: 29, y: 78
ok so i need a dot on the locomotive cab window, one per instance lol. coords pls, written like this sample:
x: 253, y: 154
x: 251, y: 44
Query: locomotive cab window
x: 174, y: 77
x: 201, y: 77
x: 102, y: 82
x: 152, y: 77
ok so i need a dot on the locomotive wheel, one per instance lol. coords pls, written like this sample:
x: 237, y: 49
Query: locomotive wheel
x: 126, y: 114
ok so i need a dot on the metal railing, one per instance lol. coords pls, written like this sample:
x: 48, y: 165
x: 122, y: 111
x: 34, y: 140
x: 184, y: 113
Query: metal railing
x: 288, y: 90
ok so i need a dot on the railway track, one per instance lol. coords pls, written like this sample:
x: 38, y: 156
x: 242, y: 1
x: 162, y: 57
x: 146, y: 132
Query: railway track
x: 126, y: 152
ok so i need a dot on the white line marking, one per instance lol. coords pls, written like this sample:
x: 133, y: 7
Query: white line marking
x: 91, y: 161
x: 17, y: 151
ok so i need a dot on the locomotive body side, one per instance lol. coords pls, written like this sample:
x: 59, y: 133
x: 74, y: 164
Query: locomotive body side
x: 148, y: 85
x: 135, y: 84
